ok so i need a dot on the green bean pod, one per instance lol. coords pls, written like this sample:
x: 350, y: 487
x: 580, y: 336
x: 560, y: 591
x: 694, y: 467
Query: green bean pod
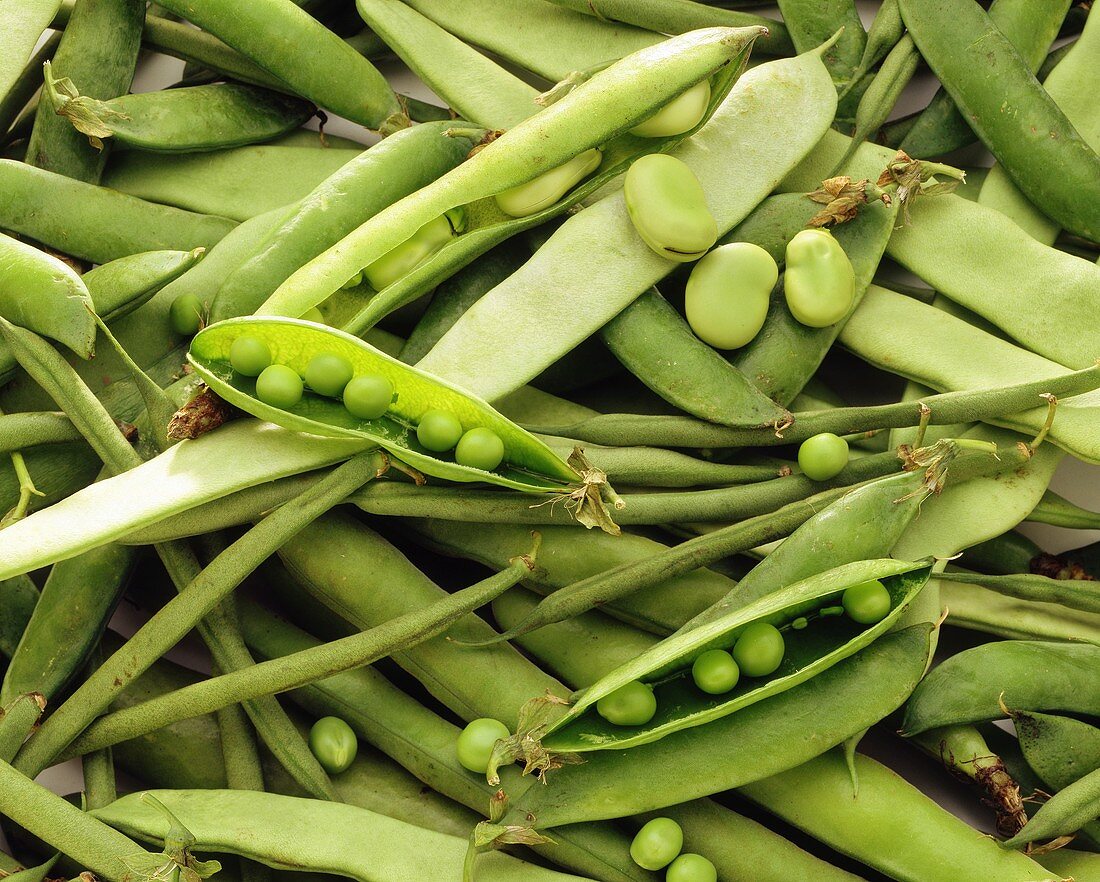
x: 1027, y: 132
x: 813, y: 22
x: 375, y: 179
x: 183, y: 120
x: 94, y: 223
x: 1025, y: 675
x: 809, y: 650
x: 238, y: 183
x: 980, y: 609
x: 19, y: 595
x: 655, y: 344
x: 1060, y: 512
x: 529, y: 464
x: 1073, y: 809
x: 26, y: 87
x: 21, y: 34
x: 1060, y: 750
x: 599, y: 113
x: 1070, y: 593
x: 39, y: 292
x: 323, y: 68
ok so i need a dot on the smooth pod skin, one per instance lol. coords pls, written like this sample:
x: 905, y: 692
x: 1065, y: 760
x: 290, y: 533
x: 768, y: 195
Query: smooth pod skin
x: 727, y: 294
x: 668, y: 208
x: 549, y: 187
x: 42, y: 294
x: 819, y: 283
x: 680, y: 115
x: 391, y: 266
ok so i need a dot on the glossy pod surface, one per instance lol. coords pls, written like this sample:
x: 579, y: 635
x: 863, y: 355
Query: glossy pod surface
x: 528, y: 465
x: 810, y: 649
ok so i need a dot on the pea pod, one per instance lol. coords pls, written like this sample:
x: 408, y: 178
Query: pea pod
x: 180, y: 120
x: 598, y: 113
x: 809, y: 650
x: 1060, y: 750
x: 39, y: 292
x: 528, y: 463
x: 25, y: 24
x: 977, y: 684
x: 1070, y: 810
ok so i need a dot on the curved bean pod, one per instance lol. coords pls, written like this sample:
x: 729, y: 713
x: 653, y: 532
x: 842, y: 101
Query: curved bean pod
x: 333, y: 74
x: 1060, y: 750
x: 69, y: 215
x: 979, y: 609
x: 21, y: 35
x: 1030, y: 675
x: 40, y: 293
x: 1074, y: 808
x: 1072, y: 593
x: 1034, y: 142
x: 596, y: 114
x: 1060, y: 512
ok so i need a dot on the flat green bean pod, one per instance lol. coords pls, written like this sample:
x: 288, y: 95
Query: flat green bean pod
x: 528, y: 463
x: 597, y: 113
x: 180, y: 120
x: 809, y: 650
x: 976, y: 685
x: 1060, y: 750
x: 40, y: 293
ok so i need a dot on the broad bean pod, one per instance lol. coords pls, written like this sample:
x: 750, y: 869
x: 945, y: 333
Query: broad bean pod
x: 595, y: 114
x: 1060, y: 512
x: 1072, y: 809
x: 976, y: 256
x: 21, y: 35
x: 24, y: 89
x: 1060, y: 750
x: 598, y: 253
x: 980, y: 609
x: 333, y: 75
x: 19, y: 595
x: 238, y: 183
x: 812, y: 23
x: 69, y: 216
x: 956, y: 356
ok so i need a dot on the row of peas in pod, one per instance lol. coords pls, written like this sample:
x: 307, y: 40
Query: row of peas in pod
x: 729, y: 289
x: 681, y: 115
x: 366, y: 397
x: 758, y: 652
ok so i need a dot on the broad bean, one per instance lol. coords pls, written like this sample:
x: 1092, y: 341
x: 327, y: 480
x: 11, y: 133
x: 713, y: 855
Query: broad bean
x: 668, y: 208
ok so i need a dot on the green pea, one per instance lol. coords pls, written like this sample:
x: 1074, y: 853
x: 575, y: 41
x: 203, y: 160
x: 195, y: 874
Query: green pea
x: 439, y: 430
x: 368, y: 397
x: 727, y: 294
x: 334, y: 744
x: 328, y: 374
x: 867, y: 602
x: 631, y: 705
x: 185, y: 315
x: 279, y: 386
x: 678, y: 116
x: 480, y: 448
x: 820, y: 284
x: 691, y: 868
x: 715, y: 672
x: 313, y: 314
x: 668, y: 208
x: 549, y: 187
x: 759, y: 650
x: 421, y: 245
x: 249, y: 356
x: 475, y: 743
x: 823, y: 456
x: 657, y: 844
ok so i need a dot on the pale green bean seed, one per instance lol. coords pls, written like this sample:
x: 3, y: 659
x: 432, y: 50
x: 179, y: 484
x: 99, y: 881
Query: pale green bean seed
x: 668, y: 208
x: 678, y: 116
x: 401, y: 260
x: 727, y: 294
x: 820, y: 284
x: 549, y: 187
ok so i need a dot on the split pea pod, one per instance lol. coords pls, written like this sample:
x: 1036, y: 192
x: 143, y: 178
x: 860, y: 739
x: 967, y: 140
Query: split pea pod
x: 808, y: 650
x: 1030, y: 675
x: 323, y: 69
x: 99, y: 48
x: 369, y: 183
x: 238, y: 183
x: 598, y: 251
x: 94, y: 223
x: 185, y: 120
x: 597, y: 114
x: 655, y: 344
x: 39, y: 292
x: 1033, y: 141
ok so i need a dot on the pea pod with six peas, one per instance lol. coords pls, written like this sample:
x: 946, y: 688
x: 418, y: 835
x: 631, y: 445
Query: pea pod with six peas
x: 597, y: 114
x: 810, y: 648
x: 527, y: 465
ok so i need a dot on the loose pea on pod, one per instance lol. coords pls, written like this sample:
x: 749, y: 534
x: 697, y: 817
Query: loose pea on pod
x: 528, y: 463
x: 811, y: 647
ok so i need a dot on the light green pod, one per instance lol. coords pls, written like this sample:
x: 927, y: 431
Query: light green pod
x: 679, y: 115
x: 401, y: 260
x: 727, y: 294
x: 820, y: 284
x: 548, y: 188
x: 668, y: 209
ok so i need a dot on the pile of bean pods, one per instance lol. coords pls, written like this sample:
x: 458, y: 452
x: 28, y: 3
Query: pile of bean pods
x: 545, y: 440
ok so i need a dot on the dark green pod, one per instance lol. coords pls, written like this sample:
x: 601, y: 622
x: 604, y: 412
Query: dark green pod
x: 528, y: 463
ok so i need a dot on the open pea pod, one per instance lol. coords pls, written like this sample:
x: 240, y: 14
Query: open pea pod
x: 528, y: 463
x: 814, y: 643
